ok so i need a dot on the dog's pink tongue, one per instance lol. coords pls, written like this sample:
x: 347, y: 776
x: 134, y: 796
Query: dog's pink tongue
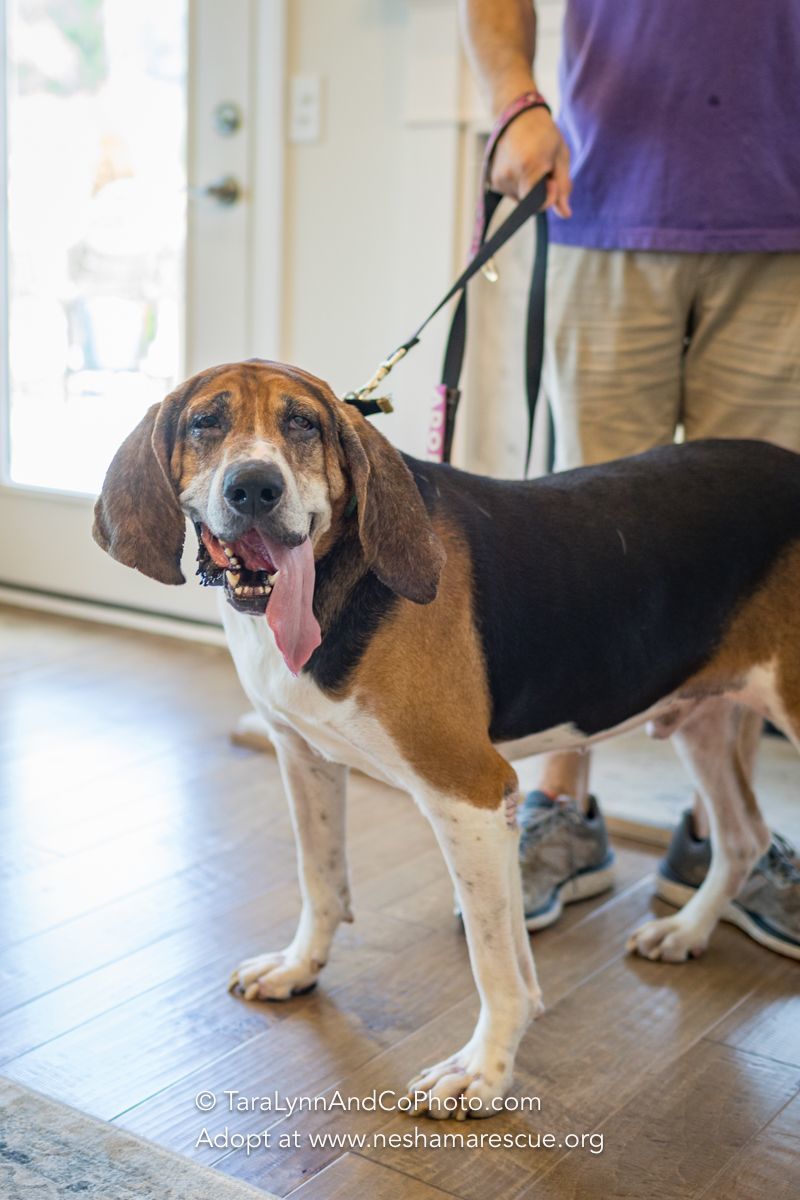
x: 290, y: 612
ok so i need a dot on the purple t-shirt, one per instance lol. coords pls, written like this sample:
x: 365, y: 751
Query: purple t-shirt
x: 683, y: 119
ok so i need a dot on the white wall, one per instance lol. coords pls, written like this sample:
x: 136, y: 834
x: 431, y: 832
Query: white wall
x: 371, y: 210
x: 377, y: 213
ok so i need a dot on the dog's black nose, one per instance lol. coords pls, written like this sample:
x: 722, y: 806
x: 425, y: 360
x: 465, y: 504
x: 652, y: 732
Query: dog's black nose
x: 253, y: 488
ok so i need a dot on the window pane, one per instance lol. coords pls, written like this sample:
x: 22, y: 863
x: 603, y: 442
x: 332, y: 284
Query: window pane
x: 97, y: 226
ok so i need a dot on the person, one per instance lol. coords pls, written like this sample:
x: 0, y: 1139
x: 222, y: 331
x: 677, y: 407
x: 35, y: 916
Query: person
x: 673, y: 304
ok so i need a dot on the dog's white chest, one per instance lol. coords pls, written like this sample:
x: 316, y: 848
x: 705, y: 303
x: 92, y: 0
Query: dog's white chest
x: 341, y: 730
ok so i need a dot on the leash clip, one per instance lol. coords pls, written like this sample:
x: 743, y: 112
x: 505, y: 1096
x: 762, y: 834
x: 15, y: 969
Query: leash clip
x: 367, y: 405
x: 361, y: 397
x: 489, y: 271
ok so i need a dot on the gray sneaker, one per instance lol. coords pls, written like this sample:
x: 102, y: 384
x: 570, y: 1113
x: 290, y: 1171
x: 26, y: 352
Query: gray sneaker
x: 563, y: 855
x: 768, y: 906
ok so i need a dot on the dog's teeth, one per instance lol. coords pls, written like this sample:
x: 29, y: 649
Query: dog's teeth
x: 227, y: 549
x: 239, y: 591
x: 272, y: 578
x: 232, y: 577
x: 234, y: 562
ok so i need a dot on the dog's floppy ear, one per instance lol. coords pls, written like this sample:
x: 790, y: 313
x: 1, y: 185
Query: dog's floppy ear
x: 137, y: 518
x: 395, y: 530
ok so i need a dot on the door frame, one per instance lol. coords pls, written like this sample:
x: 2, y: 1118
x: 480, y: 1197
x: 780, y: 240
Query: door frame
x: 112, y: 594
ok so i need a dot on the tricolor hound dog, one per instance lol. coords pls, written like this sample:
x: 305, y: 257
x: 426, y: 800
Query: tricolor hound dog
x: 423, y: 625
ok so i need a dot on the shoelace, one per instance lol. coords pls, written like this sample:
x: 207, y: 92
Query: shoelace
x: 782, y: 859
x: 535, y: 822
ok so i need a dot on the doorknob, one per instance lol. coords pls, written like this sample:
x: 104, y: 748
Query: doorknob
x: 225, y: 191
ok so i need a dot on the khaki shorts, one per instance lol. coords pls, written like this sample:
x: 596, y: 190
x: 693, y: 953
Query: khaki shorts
x: 642, y: 343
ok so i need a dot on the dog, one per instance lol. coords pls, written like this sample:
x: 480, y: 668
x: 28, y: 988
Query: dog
x: 424, y: 625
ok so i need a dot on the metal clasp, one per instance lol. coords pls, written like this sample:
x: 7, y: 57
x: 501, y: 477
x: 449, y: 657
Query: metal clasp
x: 489, y: 270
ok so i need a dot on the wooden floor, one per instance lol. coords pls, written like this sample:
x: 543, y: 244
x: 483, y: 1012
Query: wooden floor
x: 141, y: 856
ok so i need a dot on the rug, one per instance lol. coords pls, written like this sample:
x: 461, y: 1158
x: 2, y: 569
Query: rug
x: 50, y: 1152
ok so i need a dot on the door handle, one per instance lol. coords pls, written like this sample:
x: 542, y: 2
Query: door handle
x: 225, y: 192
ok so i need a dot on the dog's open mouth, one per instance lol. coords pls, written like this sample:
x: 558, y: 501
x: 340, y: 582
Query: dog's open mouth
x: 247, y: 573
x: 263, y: 575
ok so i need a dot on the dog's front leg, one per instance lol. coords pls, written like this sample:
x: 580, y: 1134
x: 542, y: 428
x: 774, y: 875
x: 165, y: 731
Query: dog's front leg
x: 316, y: 792
x: 480, y: 848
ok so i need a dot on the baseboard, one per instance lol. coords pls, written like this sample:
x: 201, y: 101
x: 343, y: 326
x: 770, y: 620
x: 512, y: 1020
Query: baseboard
x: 639, y: 831
x: 108, y: 614
x: 251, y: 732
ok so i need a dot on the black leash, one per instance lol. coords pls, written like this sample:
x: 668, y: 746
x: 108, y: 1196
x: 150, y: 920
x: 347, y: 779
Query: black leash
x: 534, y: 341
x: 457, y: 339
x: 441, y: 434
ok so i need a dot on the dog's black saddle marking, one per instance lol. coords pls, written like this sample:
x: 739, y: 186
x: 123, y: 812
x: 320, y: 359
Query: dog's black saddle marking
x: 599, y: 591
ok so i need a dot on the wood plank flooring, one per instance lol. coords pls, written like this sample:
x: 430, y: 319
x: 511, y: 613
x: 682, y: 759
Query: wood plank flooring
x: 142, y: 855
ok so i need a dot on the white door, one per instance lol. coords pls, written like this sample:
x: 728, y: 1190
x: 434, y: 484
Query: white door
x: 127, y: 261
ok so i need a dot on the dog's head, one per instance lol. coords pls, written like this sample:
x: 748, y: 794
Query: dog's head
x: 269, y: 466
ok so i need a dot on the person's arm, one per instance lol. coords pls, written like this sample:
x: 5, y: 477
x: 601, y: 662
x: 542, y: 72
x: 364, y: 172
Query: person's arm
x: 500, y: 38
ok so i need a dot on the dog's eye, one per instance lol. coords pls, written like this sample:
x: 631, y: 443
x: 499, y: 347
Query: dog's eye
x: 298, y: 421
x: 207, y: 420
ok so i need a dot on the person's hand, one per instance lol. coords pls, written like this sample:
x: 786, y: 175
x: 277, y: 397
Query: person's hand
x: 531, y: 147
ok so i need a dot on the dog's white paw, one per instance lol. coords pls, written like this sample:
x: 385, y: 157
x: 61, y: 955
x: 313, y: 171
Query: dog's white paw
x: 472, y: 1083
x: 274, y: 976
x: 669, y: 939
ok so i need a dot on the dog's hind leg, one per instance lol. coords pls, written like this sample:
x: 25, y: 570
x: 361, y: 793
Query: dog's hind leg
x: 751, y: 729
x: 716, y: 746
x: 480, y: 847
x: 316, y: 791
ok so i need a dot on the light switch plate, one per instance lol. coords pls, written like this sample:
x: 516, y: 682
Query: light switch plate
x: 305, y: 102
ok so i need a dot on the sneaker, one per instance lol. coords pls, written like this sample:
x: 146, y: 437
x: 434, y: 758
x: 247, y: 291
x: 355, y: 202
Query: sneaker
x: 563, y: 854
x: 768, y: 906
